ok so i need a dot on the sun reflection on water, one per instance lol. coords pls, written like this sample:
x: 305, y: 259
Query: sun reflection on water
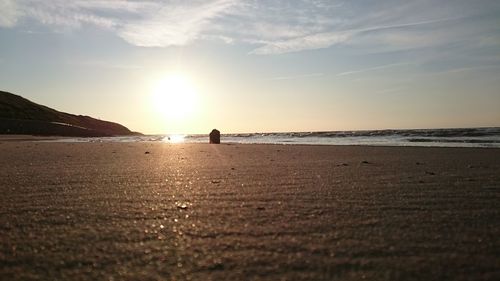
x: 174, y: 138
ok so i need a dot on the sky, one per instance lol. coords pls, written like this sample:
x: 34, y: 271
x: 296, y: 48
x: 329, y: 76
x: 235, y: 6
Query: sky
x: 188, y: 66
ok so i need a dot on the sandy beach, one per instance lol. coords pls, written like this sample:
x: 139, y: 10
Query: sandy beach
x: 155, y: 211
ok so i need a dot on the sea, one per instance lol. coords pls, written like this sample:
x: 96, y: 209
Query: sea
x: 455, y: 137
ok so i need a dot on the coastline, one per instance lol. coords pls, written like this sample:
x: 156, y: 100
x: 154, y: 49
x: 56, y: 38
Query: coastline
x: 154, y: 210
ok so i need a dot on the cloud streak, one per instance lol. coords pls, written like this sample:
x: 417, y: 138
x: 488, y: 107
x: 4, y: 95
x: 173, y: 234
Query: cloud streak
x: 375, y: 68
x: 295, y: 77
x: 106, y: 65
x: 309, y: 42
x: 271, y: 27
x: 175, y: 25
x: 328, y: 39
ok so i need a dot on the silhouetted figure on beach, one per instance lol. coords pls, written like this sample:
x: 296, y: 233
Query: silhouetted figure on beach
x: 214, y: 136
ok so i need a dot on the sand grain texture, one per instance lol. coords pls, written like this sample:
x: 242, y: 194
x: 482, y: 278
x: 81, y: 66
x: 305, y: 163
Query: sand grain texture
x: 88, y: 211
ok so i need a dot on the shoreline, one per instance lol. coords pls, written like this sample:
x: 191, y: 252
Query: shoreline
x: 58, y: 139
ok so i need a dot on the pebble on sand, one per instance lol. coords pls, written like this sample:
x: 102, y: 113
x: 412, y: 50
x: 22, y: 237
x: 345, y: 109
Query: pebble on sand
x: 181, y: 205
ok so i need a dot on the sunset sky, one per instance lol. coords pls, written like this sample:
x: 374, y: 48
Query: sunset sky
x: 257, y: 66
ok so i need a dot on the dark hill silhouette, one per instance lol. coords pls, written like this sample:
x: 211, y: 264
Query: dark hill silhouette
x: 21, y: 116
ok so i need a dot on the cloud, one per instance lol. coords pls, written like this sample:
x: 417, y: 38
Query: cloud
x: 174, y: 25
x: 57, y: 14
x: 105, y: 64
x: 271, y: 26
x: 375, y: 68
x: 309, y: 75
x: 328, y: 39
x: 10, y: 13
x: 309, y: 42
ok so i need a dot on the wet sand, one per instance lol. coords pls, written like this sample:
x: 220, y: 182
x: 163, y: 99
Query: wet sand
x: 153, y: 211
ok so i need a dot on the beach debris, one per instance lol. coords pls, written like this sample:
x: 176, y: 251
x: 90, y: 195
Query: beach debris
x: 147, y: 152
x: 215, y: 181
x: 218, y: 265
x: 182, y: 205
x: 214, y: 136
x: 419, y: 163
x: 430, y: 173
x: 343, y: 165
x: 365, y: 162
x: 260, y: 208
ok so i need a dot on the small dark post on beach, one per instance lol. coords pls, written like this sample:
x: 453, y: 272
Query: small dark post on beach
x: 214, y: 136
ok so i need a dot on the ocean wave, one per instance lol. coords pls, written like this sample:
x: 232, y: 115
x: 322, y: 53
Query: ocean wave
x: 470, y: 137
x: 444, y: 140
x: 438, y: 133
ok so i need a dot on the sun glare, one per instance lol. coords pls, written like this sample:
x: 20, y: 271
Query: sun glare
x: 174, y: 97
x: 175, y: 139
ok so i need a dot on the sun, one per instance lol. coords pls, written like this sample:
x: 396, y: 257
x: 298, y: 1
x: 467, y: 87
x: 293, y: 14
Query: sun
x: 175, y: 97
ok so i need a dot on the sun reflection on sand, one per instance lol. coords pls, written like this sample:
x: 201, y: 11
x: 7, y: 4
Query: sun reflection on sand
x: 174, y: 138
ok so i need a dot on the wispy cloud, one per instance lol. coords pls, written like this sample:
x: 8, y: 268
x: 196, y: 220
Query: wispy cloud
x: 272, y: 26
x: 375, y: 68
x: 175, y: 25
x: 328, y: 39
x: 10, y: 13
x: 483, y: 69
x: 294, y: 77
x: 106, y: 64
x: 309, y: 42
